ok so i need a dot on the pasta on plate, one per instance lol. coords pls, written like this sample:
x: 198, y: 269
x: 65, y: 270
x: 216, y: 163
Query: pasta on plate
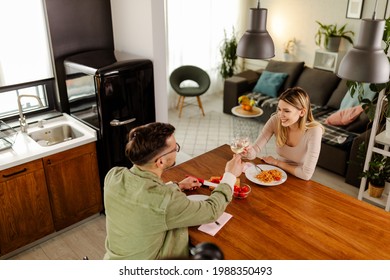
x: 268, y: 176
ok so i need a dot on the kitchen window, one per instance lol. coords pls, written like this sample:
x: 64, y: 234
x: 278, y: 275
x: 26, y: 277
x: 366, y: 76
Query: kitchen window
x: 25, y: 59
x: 9, y: 98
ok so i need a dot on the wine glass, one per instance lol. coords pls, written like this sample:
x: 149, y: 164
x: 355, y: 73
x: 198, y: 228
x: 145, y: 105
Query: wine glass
x: 239, y: 143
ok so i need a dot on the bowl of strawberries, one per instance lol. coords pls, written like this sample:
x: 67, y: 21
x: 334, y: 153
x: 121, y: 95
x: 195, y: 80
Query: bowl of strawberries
x: 241, y: 191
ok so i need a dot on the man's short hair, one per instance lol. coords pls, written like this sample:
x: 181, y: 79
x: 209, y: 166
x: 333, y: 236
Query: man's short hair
x: 147, y: 141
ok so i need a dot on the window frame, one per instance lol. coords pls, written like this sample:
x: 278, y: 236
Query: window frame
x: 49, y: 86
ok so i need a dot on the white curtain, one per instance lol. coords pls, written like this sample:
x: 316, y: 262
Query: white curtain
x: 24, y: 48
x: 195, y: 34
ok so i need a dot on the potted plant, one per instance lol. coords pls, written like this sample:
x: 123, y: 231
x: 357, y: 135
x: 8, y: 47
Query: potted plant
x: 331, y: 35
x: 377, y: 174
x: 228, y: 53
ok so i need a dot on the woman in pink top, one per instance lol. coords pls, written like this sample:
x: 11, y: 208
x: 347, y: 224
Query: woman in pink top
x: 298, y: 135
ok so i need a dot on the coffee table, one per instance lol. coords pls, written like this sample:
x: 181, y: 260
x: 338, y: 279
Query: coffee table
x: 244, y: 122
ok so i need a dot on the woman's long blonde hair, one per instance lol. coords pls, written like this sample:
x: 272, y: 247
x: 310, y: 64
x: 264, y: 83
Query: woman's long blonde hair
x: 299, y: 99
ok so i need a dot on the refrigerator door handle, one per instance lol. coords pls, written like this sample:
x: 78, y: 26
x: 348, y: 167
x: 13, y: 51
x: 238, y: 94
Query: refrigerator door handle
x: 119, y: 123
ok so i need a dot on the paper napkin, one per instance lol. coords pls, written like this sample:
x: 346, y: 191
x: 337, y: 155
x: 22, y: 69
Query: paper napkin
x: 213, y: 228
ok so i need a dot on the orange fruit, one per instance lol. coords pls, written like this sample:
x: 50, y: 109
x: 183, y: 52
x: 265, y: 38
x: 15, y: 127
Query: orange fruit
x: 243, y: 99
x: 247, y: 107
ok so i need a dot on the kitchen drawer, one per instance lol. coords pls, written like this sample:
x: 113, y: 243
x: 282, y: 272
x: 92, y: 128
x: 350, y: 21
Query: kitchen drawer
x: 20, y: 170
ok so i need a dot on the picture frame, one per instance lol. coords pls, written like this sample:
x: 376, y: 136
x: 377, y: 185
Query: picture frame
x: 355, y: 9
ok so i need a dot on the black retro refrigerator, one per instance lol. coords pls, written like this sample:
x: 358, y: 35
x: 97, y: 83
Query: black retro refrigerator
x: 112, y: 92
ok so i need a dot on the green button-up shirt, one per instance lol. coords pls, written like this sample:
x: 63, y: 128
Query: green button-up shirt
x: 148, y: 219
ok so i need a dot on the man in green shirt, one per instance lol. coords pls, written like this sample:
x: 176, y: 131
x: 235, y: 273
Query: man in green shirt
x: 148, y: 219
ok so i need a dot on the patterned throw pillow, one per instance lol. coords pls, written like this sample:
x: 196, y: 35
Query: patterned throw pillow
x: 269, y: 83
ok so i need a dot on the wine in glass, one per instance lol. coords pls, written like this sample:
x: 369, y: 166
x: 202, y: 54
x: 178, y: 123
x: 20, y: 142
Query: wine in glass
x: 239, y: 143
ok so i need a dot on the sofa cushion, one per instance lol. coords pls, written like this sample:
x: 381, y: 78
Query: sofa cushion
x: 360, y: 125
x: 336, y: 135
x: 269, y: 83
x: 344, y: 117
x: 318, y: 84
x: 338, y: 95
x: 250, y: 75
x: 352, y: 101
x: 293, y: 69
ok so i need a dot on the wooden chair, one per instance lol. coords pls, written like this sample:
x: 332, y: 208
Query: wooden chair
x: 189, y: 73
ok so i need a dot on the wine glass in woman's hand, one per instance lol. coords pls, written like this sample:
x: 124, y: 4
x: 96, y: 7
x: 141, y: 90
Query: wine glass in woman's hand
x: 239, y: 143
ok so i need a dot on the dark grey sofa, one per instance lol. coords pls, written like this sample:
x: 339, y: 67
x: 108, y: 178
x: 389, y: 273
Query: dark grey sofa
x: 326, y: 91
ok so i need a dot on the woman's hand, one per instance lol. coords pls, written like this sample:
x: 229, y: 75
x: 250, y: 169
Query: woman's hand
x: 248, y: 153
x: 189, y: 183
x: 270, y: 160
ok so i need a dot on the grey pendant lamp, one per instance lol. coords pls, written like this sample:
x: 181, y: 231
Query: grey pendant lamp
x: 256, y: 43
x: 366, y: 62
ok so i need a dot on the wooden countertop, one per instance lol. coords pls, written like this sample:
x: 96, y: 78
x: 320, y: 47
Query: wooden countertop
x: 295, y: 220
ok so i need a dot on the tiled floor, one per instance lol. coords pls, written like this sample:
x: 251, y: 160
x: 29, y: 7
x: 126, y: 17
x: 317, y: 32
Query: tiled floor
x: 197, y: 134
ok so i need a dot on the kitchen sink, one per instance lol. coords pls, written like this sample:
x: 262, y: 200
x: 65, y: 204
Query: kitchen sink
x: 55, y: 135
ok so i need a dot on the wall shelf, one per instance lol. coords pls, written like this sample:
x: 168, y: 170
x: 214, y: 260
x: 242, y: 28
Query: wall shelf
x: 327, y: 60
x: 381, y: 139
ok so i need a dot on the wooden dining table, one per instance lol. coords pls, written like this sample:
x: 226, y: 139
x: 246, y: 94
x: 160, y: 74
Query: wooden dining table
x: 298, y: 219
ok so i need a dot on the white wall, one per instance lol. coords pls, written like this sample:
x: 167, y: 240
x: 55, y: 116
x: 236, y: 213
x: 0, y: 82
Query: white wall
x: 139, y: 28
x: 297, y: 18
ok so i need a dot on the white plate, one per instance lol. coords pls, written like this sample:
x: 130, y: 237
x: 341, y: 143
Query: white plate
x: 251, y: 173
x: 238, y: 111
x: 197, y: 197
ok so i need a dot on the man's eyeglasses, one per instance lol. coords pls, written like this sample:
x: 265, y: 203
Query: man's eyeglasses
x: 176, y: 149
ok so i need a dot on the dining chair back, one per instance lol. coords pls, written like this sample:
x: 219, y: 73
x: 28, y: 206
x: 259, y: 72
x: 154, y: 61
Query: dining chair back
x: 195, y: 75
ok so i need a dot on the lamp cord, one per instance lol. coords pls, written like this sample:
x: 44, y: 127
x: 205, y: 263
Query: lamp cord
x: 374, y: 14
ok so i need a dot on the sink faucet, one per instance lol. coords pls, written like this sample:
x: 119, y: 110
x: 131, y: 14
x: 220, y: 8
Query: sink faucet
x: 22, y: 118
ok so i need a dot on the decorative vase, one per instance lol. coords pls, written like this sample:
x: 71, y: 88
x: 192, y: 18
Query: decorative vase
x: 375, y: 191
x: 333, y: 43
x: 288, y: 57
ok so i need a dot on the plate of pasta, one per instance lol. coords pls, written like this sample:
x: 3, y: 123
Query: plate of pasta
x: 270, y: 176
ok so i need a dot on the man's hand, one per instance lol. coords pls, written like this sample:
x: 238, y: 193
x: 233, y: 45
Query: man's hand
x: 235, y: 165
x: 189, y: 183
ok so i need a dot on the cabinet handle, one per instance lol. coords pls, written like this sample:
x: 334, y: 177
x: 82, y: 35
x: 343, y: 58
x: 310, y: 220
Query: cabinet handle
x: 119, y: 123
x: 15, y: 173
x: 48, y: 161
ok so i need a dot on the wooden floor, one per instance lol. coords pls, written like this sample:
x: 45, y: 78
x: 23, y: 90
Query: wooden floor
x: 87, y: 239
